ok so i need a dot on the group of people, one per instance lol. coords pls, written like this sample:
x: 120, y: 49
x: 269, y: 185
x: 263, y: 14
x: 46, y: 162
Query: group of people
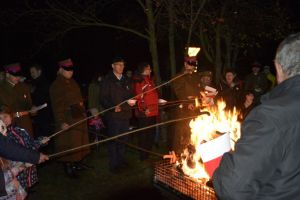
x: 117, y: 87
x: 20, y: 103
x: 65, y: 103
x: 16, y: 105
x: 264, y: 164
x: 23, y: 119
x: 238, y: 94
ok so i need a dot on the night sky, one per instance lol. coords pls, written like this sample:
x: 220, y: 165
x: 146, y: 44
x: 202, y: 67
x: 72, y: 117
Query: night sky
x: 92, y: 48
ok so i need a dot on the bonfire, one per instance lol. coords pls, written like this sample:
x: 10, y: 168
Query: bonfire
x: 211, y: 136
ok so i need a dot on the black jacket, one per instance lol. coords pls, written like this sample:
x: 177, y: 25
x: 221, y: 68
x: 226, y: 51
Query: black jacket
x: 13, y: 151
x: 259, y: 84
x: 40, y: 91
x: 231, y: 95
x: 113, y: 92
x: 44, y: 118
x: 266, y: 162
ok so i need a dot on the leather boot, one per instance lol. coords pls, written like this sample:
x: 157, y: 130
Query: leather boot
x: 70, y: 172
x: 79, y: 166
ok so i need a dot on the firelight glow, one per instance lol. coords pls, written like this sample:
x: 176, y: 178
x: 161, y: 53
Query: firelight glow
x: 205, y: 128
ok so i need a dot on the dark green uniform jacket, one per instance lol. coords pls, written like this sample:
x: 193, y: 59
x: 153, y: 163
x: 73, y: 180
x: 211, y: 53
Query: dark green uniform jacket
x: 17, y: 98
x: 186, y: 86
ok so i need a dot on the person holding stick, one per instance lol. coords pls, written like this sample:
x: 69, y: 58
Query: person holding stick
x: 68, y: 108
x: 116, y: 89
x: 16, y: 95
x: 186, y: 87
x: 16, y: 152
x: 29, y: 176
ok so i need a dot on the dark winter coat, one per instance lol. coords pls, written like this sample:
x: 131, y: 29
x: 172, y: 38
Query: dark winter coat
x: 230, y: 94
x: 113, y: 92
x: 266, y: 163
x: 259, y: 84
x: 28, y: 177
x: 43, y: 119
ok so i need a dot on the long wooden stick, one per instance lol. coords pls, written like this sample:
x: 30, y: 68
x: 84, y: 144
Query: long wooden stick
x: 122, y: 135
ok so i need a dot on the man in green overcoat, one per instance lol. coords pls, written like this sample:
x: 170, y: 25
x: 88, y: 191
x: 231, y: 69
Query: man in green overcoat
x: 16, y: 95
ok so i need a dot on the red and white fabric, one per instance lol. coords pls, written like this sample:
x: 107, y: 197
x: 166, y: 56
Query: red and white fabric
x: 212, y: 151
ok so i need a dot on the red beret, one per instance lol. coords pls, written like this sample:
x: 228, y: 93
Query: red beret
x: 13, y: 69
x: 66, y: 64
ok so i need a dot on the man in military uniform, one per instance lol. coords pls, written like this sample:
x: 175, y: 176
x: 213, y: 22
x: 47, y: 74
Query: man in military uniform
x: 16, y: 95
x: 68, y: 108
x: 257, y: 82
x: 186, y: 87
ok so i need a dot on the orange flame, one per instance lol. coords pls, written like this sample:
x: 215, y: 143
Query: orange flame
x: 205, y: 128
x: 197, y: 104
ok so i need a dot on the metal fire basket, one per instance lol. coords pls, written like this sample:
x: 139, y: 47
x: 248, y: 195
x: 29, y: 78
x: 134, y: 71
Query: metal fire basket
x: 168, y: 178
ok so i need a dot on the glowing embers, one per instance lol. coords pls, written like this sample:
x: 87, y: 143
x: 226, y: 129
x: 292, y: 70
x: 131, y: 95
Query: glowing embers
x: 169, y: 178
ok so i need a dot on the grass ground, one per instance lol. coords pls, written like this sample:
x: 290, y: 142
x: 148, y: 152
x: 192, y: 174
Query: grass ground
x: 135, y: 182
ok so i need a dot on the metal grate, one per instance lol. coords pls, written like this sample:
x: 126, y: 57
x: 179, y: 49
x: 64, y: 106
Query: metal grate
x: 170, y: 178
